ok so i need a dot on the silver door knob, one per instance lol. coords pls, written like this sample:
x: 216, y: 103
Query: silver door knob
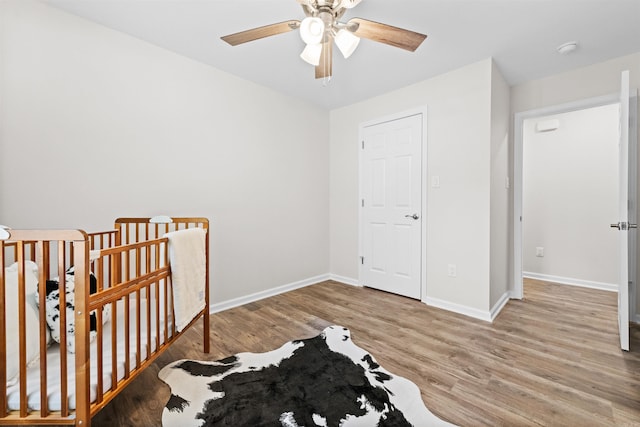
x: 414, y: 216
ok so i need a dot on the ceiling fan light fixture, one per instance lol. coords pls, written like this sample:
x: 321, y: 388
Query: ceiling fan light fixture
x: 311, y: 54
x: 312, y: 30
x: 322, y: 26
x: 347, y: 42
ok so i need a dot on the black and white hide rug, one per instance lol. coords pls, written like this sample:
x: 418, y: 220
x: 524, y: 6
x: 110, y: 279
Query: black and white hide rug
x: 321, y: 381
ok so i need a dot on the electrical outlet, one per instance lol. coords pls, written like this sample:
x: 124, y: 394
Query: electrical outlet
x: 451, y: 270
x: 539, y: 252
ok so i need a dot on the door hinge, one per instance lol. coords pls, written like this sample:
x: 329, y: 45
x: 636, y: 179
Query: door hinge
x: 363, y: 203
x: 363, y: 144
x: 362, y: 260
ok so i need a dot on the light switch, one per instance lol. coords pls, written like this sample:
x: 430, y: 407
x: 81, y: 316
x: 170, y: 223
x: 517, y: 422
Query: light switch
x: 452, y: 270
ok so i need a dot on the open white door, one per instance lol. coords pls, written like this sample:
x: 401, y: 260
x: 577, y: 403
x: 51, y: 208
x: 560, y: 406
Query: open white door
x: 623, y: 207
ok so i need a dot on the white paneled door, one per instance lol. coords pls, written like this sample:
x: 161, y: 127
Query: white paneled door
x: 623, y: 224
x: 391, y: 191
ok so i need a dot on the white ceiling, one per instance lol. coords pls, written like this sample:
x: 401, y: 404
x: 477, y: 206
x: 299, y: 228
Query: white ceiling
x: 521, y: 35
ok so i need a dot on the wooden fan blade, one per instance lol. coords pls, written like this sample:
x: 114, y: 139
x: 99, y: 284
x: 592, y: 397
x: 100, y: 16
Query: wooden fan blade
x: 324, y: 68
x: 383, y: 33
x: 261, y: 32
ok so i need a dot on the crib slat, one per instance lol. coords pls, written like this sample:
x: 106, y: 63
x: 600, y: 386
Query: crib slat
x: 99, y: 266
x: 22, y: 342
x: 114, y: 346
x: 62, y: 286
x: 81, y: 317
x: 148, y: 307
x: 162, y: 294
x: 127, y: 337
x: 114, y: 349
x: 42, y: 261
x: 138, y: 328
x: 157, y: 314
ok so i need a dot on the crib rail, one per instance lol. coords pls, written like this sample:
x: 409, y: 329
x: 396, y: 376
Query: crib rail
x: 133, y: 230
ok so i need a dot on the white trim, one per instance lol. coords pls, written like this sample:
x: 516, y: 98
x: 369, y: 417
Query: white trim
x: 345, y: 280
x: 236, y: 302
x: 633, y: 209
x: 425, y: 196
x: 423, y: 220
x: 517, y: 289
x: 457, y: 308
x: 498, y: 306
x: 612, y: 287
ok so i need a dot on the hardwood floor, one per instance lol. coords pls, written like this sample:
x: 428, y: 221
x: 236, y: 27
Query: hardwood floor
x: 552, y: 359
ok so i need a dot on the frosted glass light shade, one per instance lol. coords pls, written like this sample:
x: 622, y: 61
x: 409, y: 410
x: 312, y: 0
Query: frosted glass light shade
x: 311, y: 53
x: 347, y: 42
x: 312, y: 30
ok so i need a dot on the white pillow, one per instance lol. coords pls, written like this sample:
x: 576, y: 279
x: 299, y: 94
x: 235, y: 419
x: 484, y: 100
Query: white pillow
x: 31, y: 315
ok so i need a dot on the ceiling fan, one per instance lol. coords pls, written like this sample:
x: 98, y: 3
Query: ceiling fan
x: 322, y: 27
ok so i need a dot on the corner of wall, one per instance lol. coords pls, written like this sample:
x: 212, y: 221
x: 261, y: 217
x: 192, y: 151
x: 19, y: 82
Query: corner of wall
x: 500, y: 192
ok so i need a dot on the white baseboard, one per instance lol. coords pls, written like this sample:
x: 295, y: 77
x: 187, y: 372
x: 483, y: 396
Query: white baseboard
x: 487, y: 316
x: 612, y: 287
x: 236, y: 302
x: 498, y: 306
x: 458, y: 308
x: 345, y: 280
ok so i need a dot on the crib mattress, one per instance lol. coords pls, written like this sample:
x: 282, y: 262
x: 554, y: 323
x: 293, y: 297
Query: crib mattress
x: 54, y: 398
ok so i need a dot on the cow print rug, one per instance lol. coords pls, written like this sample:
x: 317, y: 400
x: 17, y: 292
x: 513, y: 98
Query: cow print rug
x: 321, y: 381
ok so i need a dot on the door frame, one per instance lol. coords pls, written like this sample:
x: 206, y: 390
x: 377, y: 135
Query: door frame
x: 517, y: 291
x: 423, y: 182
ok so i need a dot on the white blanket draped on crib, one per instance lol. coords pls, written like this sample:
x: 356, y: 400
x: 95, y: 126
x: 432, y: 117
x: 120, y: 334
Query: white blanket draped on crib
x: 188, y: 261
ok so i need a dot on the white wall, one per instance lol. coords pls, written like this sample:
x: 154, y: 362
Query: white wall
x: 589, y: 82
x: 95, y: 124
x: 500, y: 188
x: 570, y: 196
x: 459, y: 152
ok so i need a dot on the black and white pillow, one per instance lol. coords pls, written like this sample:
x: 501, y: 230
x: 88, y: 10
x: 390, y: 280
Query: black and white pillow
x: 53, y: 308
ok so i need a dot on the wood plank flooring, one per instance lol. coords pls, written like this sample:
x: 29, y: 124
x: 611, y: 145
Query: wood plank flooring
x: 550, y: 360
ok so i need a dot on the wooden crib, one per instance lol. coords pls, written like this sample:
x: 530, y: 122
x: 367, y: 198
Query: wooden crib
x: 130, y: 269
